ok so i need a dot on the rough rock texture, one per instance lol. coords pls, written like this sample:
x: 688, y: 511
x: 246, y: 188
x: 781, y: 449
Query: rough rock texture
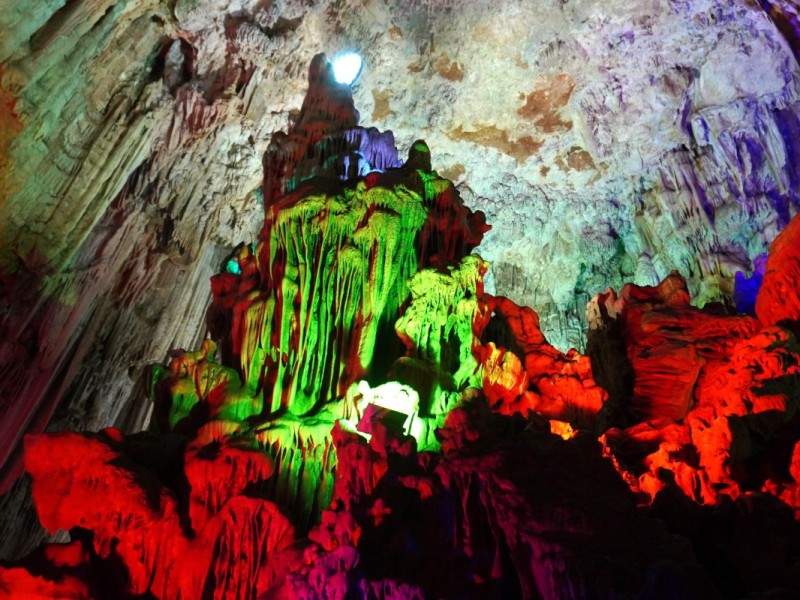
x: 184, y: 513
x: 711, y: 402
x: 342, y: 435
x: 778, y: 300
x: 625, y: 140
x: 230, y: 542
x: 532, y: 374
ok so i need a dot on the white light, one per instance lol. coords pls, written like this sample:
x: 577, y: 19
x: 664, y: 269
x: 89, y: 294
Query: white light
x: 347, y: 67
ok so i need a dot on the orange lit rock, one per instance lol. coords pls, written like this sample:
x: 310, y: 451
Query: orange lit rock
x: 504, y: 378
x: 665, y: 376
x: 556, y: 385
x: 719, y: 444
x: 561, y: 429
x: 667, y: 344
x: 708, y: 391
x: 778, y: 299
x: 755, y: 378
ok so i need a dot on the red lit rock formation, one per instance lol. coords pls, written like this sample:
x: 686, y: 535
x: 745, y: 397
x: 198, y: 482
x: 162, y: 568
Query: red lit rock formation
x: 711, y: 393
x: 528, y: 374
x: 170, y: 541
x: 667, y: 343
x: 779, y: 297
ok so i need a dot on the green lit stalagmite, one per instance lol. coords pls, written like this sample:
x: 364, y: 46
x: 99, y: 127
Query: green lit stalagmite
x: 338, y: 267
x: 308, y: 313
x: 439, y: 330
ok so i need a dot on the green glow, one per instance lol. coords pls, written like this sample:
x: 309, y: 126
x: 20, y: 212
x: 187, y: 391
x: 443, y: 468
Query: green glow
x: 233, y: 267
x: 317, y: 310
x: 347, y: 259
x: 439, y: 321
x: 438, y: 330
x: 193, y: 378
x: 304, y: 459
x: 421, y: 146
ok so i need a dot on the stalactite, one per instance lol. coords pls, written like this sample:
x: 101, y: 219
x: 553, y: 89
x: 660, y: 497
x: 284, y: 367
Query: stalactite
x: 363, y: 415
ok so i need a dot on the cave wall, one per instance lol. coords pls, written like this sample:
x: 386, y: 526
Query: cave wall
x: 605, y: 143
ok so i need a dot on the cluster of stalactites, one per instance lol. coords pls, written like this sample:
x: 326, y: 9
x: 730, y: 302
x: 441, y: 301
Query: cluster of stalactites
x: 310, y: 309
x: 307, y: 313
x: 335, y: 270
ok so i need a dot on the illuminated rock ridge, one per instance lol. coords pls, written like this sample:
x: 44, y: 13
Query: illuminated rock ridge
x: 364, y: 421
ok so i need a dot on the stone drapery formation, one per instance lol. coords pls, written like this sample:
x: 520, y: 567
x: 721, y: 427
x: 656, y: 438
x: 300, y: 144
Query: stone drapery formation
x: 626, y: 140
x: 364, y: 414
x: 710, y: 402
x: 309, y: 311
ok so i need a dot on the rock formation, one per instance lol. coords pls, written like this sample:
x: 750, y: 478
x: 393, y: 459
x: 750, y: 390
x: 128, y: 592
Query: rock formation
x: 364, y: 420
x: 625, y: 141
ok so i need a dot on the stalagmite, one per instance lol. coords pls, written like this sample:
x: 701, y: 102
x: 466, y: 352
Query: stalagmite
x: 364, y: 420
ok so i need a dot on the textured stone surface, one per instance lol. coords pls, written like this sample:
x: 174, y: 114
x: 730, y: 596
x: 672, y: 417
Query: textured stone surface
x: 778, y: 300
x: 712, y: 399
x: 606, y: 142
x: 483, y: 454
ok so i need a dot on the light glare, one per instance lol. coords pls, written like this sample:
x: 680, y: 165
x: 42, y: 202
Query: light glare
x: 347, y: 67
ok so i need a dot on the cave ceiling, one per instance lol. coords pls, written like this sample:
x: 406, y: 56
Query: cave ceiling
x: 605, y: 142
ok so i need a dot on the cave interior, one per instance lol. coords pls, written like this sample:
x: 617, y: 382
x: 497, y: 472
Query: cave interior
x: 371, y: 299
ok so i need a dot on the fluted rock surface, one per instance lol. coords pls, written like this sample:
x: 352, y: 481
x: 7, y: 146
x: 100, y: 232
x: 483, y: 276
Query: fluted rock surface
x: 363, y: 413
x: 625, y: 142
